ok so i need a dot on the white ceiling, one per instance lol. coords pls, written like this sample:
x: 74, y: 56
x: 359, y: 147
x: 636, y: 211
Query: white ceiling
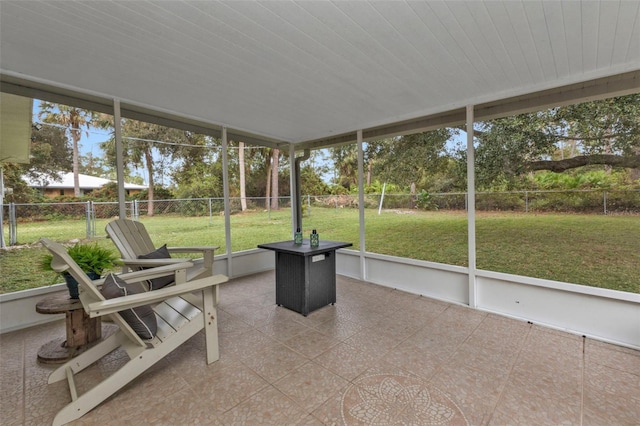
x: 297, y: 71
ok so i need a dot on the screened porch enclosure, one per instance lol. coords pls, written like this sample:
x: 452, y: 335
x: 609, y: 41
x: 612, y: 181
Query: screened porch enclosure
x: 325, y: 83
x: 484, y: 347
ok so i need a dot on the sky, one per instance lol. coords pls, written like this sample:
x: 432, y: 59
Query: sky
x: 92, y: 138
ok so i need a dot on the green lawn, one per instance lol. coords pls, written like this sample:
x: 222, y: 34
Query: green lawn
x: 601, y: 251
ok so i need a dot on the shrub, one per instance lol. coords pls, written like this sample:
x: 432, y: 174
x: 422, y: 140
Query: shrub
x: 425, y: 202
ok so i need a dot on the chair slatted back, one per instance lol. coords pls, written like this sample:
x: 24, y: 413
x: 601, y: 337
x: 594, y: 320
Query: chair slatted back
x: 130, y: 237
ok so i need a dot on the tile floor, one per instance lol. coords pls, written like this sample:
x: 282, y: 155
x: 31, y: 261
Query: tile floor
x: 378, y: 357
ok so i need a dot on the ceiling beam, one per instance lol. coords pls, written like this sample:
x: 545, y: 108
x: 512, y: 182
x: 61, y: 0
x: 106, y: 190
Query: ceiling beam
x: 606, y: 87
x: 601, y: 88
x: 592, y: 90
x: 50, y: 93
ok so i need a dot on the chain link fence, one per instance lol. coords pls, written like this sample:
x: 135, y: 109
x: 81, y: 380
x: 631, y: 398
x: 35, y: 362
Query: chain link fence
x: 87, y: 213
x: 585, y: 202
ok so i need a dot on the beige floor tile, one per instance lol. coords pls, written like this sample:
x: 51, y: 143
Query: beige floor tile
x: 612, y: 356
x: 413, y: 359
x: 338, y: 328
x: 253, y: 314
x: 544, y: 340
x: 497, y: 362
x: 223, y: 389
x: 275, y: 362
x: 400, y: 329
x: 540, y: 397
x: 330, y: 413
x: 283, y: 329
x: 310, y: 421
x: 437, y: 341
x: 611, y: 396
x: 311, y: 343
x: 412, y: 316
x: 560, y: 367
x: 182, y: 408
x: 476, y: 392
x: 361, y: 314
x: 374, y: 340
x: 12, y: 408
x: 347, y: 361
x: 45, y: 400
x: 245, y: 345
x: 316, y: 317
x: 310, y: 385
x: 267, y: 407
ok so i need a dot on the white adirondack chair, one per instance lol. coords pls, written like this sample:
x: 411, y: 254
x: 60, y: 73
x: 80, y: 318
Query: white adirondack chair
x: 132, y: 240
x: 181, y: 312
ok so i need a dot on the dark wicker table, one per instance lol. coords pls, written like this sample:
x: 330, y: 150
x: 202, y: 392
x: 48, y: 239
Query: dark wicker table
x: 305, y: 276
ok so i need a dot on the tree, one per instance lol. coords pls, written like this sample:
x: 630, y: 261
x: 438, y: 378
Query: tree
x: 73, y: 119
x: 97, y: 166
x: 50, y: 154
x: 197, y: 167
x: 345, y: 160
x: 311, y: 181
x: 604, y: 133
x: 411, y: 159
x: 140, y: 141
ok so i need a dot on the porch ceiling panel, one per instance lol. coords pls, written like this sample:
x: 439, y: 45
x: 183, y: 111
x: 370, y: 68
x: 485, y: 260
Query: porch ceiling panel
x: 315, y: 70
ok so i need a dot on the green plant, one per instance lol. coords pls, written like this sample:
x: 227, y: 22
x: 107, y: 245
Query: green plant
x: 425, y: 202
x: 91, y: 258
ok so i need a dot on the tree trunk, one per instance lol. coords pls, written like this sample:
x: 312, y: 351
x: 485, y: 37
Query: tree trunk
x: 274, y: 180
x: 149, y: 160
x: 585, y: 160
x: 267, y: 191
x: 634, y: 173
x: 75, y: 136
x: 243, y: 192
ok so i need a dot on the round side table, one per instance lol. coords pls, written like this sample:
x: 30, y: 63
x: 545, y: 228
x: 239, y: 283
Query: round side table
x: 82, y: 330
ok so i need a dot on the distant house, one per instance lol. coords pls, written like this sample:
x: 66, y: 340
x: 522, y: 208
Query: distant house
x: 64, y: 186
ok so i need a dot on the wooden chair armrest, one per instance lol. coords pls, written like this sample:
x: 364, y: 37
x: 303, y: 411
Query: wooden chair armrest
x: 193, y: 249
x: 150, y: 263
x: 147, y: 274
x: 105, y: 307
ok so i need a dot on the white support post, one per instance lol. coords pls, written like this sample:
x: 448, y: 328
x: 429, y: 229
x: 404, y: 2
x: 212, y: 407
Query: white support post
x: 471, y: 208
x: 363, y: 271
x: 2, y: 245
x: 293, y: 188
x: 227, y: 212
x: 117, y: 126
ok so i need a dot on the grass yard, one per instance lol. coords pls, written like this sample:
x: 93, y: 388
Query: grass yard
x: 600, y: 251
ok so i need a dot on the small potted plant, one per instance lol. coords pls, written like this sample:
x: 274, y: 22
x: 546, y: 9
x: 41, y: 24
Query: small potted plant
x: 91, y: 258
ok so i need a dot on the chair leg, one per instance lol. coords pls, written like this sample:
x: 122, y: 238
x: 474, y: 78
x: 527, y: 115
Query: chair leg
x: 88, y: 357
x: 210, y: 316
x: 95, y: 396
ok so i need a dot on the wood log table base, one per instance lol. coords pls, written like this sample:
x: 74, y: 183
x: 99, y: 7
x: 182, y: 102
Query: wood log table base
x: 82, y: 331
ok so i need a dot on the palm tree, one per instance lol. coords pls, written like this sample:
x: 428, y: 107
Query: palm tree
x: 73, y: 119
x: 274, y: 178
x: 243, y: 189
